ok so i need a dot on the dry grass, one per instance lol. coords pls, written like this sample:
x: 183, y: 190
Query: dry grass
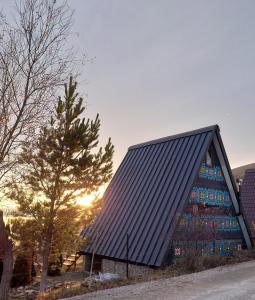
x: 79, y: 289
x: 192, y: 263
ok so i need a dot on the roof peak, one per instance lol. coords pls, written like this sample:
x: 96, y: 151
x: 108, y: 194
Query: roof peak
x: 176, y: 136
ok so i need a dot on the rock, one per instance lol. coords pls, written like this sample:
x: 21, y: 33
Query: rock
x: 30, y: 292
x: 36, y: 284
x: 89, y: 282
x: 19, y: 296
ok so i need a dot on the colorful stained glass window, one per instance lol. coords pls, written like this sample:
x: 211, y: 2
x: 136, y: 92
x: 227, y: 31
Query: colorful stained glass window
x: 221, y: 223
x: 210, y: 197
x: 211, y: 172
x: 220, y: 247
x: 177, y: 251
x: 210, y: 210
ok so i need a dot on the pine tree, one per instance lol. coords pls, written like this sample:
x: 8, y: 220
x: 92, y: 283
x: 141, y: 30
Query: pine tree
x: 61, y: 165
x: 27, y: 230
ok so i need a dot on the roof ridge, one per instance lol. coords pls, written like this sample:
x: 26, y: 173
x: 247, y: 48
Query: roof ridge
x: 176, y: 136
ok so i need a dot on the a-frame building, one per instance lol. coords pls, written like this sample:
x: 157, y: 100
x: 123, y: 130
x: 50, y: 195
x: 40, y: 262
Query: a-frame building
x: 168, y: 196
x: 248, y: 200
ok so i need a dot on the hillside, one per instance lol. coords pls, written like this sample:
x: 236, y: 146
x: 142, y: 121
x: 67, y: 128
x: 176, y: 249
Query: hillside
x: 239, y: 172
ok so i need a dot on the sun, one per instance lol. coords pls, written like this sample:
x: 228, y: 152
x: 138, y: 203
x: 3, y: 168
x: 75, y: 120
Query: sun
x: 87, y: 200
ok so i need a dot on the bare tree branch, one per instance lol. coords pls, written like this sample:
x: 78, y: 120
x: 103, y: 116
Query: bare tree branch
x: 34, y: 62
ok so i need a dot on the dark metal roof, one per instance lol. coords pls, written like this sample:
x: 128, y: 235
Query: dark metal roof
x: 248, y: 199
x: 146, y: 196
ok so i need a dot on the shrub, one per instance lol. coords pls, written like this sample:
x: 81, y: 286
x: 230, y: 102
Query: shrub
x: 33, y: 271
x: 54, y: 268
x: 192, y: 260
x: 21, y: 272
x: 213, y: 261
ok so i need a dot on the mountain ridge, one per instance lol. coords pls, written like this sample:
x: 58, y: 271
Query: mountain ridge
x: 239, y: 171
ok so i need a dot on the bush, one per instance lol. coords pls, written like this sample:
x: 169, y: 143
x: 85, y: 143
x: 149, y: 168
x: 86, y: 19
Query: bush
x: 244, y: 255
x: 54, y: 268
x: 21, y: 272
x: 33, y: 271
x: 213, y: 261
x: 192, y: 260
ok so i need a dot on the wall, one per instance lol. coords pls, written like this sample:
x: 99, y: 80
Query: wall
x: 248, y: 199
x: 208, y: 222
x: 116, y: 267
x: 86, y: 263
x: 120, y: 268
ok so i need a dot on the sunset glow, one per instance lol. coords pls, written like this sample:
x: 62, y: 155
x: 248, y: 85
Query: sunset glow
x: 87, y: 200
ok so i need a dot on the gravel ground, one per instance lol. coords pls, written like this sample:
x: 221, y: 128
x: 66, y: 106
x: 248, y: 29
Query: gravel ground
x: 228, y: 282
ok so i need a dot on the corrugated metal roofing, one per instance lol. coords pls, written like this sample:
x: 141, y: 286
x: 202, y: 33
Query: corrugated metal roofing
x: 248, y: 199
x: 146, y: 195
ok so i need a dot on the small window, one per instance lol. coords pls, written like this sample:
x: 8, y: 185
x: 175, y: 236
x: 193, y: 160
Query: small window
x: 209, y: 158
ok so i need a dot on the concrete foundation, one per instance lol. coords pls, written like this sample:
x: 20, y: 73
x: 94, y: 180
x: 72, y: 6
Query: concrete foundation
x: 120, y: 268
x: 116, y: 267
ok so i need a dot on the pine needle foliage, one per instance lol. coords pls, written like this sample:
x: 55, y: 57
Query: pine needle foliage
x: 63, y: 163
x: 64, y: 159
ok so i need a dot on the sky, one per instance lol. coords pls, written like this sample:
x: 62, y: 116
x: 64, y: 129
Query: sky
x: 159, y: 68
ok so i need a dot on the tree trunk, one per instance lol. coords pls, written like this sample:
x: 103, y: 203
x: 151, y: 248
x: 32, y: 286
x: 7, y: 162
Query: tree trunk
x: 7, y: 271
x: 45, y: 262
x: 45, y: 259
x: 29, y: 262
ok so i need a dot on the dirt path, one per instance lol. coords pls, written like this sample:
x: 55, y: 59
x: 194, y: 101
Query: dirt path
x: 228, y: 282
